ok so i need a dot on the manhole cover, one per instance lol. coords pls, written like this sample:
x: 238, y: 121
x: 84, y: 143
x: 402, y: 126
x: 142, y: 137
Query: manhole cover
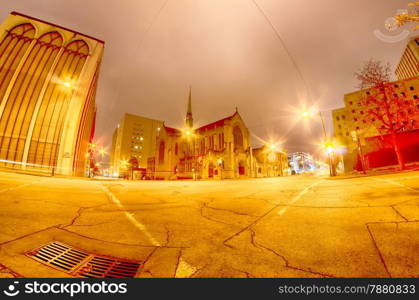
x: 80, y: 263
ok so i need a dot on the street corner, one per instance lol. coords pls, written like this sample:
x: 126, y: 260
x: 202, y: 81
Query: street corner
x: 397, y: 244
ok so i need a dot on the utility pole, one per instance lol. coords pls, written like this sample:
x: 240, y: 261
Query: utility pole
x: 332, y: 170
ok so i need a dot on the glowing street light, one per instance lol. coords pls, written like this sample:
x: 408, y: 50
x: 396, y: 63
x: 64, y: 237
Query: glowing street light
x: 187, y: 132
x: 102, y: 152
x: 330, y: 150
x: 305, y: 114
x: 308, y: 113
x: 274, y: 147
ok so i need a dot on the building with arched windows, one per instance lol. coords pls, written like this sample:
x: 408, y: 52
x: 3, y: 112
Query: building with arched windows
x: 48, y: 79
x: 217, y: 150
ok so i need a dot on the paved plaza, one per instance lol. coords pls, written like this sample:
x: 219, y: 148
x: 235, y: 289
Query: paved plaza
x: 296, y: 226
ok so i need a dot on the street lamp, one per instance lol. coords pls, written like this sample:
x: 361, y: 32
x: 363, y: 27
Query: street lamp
x: 67, y: 84
x: 329, y: 148
x: 355, y: 138
x: 271, y: 154
x: 220, y: 165
x: 102, y: 152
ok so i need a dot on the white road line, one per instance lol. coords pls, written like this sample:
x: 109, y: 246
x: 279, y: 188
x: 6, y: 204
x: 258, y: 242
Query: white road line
x: 184, y: 270
x: 394, y: 183
x: 130, y: 216
x: 298, y: 197
x: 21, y: 186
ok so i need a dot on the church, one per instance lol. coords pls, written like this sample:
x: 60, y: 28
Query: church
x: 218, y: 150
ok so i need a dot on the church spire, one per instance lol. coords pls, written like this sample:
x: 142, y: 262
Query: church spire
x: 189, y: 119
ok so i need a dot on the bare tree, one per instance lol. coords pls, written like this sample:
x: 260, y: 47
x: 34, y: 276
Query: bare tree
x: 393, y: 112
x: 372, y: 74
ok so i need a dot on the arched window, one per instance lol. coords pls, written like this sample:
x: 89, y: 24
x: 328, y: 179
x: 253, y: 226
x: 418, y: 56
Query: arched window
x: 52, y: 112
x: 161, y: 152
x: 20, y: 104
x: 238, y: 138
x: 176, y: 148
x: 12, y: 49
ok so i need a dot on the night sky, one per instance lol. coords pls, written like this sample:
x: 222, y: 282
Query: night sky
x: 229, y: 53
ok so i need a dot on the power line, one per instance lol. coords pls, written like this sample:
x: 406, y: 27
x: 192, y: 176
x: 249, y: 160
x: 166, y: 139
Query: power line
x: 140, y: 42
x: 297, y: 68
x: 153, y: 20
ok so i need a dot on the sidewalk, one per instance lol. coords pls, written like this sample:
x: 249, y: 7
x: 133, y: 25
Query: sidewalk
x: 379, y: 171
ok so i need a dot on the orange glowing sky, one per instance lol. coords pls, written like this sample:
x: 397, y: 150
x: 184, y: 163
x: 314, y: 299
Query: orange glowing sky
x: 230, y: 56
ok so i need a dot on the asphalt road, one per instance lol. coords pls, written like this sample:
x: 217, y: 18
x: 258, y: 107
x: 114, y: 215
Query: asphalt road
x: 275, y: 227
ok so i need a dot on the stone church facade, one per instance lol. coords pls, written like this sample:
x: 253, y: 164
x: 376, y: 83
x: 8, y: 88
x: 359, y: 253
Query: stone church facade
x: 218, y: 150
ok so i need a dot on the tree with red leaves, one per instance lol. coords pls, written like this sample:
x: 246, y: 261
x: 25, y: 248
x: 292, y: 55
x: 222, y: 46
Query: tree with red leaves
x: 390, y: 112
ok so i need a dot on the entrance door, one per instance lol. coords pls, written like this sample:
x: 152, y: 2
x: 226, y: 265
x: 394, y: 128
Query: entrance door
x: 211, y: 170
x: 241, y: 168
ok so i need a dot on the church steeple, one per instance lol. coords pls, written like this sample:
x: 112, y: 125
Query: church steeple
x: 189, y: 119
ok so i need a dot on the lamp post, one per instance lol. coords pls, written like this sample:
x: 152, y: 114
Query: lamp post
x: 328, y: 145
x: 90, y: 155
x: 274, y: 156
x: 220, y: 166
x: 355, y: 138
x: 330, y: 150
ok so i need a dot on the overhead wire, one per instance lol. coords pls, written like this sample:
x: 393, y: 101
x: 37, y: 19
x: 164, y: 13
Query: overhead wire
x: 141, y: 41
x: 285, y: 47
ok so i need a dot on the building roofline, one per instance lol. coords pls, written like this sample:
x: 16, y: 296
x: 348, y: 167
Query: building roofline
x: 218, y: 121
x: 14, y: 13
x: 138, y: 116
x: 171, y: 130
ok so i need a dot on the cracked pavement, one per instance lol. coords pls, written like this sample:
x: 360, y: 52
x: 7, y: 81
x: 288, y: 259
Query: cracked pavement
x: 299, y: 226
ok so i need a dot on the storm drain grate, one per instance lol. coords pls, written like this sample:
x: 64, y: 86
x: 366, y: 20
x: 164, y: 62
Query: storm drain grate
x: 80, y: 263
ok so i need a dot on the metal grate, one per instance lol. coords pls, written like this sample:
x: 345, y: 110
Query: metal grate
x: 80, y: 263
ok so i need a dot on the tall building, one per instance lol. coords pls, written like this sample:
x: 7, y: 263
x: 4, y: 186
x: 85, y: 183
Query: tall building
x: 134, y: 138
x: 301, y: 162
x: 48, y: 79
x: 220, y: 150
x: 408, y: 66
x: 357, y: 131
